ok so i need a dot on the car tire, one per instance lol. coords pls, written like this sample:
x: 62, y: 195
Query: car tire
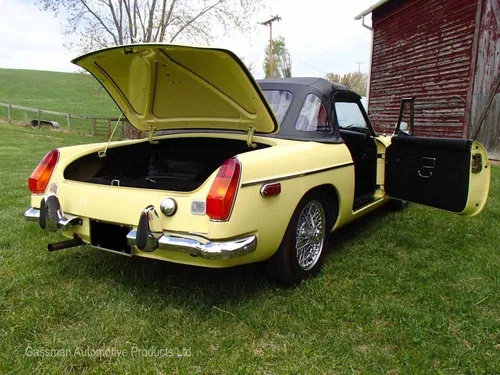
x: 302, y: 250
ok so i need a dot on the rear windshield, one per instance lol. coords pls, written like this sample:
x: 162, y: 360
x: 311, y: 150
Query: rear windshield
x: 279, y: 100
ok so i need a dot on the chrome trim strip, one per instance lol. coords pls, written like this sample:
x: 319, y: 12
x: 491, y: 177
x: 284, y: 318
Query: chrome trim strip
x: 368, y: 204
x: 201, y: 247
x: 112, y: 251
x: 278, y: 179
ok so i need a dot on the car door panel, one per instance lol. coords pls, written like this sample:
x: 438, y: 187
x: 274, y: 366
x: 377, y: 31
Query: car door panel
x: 437, y: 172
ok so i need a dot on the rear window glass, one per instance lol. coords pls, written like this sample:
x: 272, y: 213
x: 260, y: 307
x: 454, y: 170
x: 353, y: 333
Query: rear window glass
x: 313, y: 116
x: 279, y: 100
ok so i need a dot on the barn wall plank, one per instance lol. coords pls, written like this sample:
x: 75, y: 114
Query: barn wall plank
x: 423, y: 48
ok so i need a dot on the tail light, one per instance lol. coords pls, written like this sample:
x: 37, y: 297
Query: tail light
x: 40, y: 177
x: 220, y: 199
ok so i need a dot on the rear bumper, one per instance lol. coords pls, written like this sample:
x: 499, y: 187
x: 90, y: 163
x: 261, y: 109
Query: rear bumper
x: 199, y: 246
x: 51, y: 218
x: 32, y: 214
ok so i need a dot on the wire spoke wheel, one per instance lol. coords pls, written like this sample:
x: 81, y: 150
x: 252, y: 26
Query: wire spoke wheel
x: 310, y: 235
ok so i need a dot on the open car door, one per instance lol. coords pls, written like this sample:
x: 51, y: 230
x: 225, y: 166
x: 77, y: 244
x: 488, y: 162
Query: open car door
x: 450, y: 174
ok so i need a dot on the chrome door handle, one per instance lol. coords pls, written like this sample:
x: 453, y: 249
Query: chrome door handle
x: 429, y: 174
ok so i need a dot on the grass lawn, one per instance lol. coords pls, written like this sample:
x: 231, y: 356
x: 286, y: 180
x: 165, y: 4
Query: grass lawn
x: 72, y: 93
x: 416, y: 292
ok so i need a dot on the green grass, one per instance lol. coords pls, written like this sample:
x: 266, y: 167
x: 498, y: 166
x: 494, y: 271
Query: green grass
x: 74, y: 93
x: 416, y: 292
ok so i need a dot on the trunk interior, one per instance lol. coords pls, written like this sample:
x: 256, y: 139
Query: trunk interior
x: 180, y: 164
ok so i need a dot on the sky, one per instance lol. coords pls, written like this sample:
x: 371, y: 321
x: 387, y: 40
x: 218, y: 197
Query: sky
x: 321, y: 35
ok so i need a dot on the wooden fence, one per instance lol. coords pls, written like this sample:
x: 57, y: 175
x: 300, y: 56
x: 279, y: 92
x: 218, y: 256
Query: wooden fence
x: 99, y: 125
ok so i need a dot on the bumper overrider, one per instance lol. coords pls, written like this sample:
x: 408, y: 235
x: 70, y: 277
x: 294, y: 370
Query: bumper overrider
x: 149, y: 235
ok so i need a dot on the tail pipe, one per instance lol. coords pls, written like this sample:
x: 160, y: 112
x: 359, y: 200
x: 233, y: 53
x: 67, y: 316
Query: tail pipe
x: 76, y: 241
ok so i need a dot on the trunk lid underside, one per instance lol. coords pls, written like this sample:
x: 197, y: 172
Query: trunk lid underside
x: 178, y: 87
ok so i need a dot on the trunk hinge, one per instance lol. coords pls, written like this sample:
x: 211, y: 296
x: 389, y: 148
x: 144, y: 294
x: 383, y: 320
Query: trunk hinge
x: 250, y: 143
x: 151, y: 134
x: 102, y: 153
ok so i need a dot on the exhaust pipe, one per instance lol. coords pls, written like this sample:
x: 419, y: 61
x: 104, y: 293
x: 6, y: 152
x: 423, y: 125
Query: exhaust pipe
x: 76, y: 241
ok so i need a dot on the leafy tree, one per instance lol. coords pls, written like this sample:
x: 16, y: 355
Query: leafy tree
x: 355, y: 81
x: 333, y: 77
x: 282, y: 60
x: 103, y: 23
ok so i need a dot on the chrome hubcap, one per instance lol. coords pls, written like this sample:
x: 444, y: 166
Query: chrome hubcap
x: 310, y: 235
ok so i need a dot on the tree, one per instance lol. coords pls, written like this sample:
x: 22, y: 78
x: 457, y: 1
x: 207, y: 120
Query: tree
x: 332, y: 77
x: 355, y: 81
x: 282, y: 60
x: 104, y: 23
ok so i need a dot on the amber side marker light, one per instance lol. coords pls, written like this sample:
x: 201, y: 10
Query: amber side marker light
x: 40, y: 177
x: 220, y: 199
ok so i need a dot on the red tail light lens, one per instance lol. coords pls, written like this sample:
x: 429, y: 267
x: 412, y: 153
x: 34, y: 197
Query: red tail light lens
x: 222, y: 194
x: 40, y: 177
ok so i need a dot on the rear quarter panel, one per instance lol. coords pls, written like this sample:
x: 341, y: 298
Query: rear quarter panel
x: 299, y: 167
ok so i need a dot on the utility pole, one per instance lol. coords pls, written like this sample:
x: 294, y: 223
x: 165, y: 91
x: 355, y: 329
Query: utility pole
x: 359, y: 65
x: 269, y: 23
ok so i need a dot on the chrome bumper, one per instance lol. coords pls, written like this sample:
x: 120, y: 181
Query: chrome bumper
x: 201, y: 247
x: 32, y: 214
x: 149, y: 235
x: 50, y: 216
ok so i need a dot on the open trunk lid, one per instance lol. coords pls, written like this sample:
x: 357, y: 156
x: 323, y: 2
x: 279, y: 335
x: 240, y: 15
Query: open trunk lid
x: 163, y: 86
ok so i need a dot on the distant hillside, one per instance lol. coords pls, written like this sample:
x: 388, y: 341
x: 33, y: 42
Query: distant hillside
x: 74, y: 93
x: 64, y: 92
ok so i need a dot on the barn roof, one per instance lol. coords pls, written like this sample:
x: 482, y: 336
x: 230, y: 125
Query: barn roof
x: 371, y: 9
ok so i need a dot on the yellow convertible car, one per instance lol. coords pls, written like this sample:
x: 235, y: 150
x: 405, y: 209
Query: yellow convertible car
x: 235, y: 171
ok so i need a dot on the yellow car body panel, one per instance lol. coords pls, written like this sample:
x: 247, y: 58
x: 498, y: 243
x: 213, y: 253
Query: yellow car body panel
x: 479, y: 184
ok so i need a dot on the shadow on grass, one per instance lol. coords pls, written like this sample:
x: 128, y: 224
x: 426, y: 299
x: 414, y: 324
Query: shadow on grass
x: 354, y: 230
x: 176, y: 282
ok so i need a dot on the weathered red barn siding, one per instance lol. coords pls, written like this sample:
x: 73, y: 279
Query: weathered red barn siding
x: 423, y: 48
x: 487, y: 68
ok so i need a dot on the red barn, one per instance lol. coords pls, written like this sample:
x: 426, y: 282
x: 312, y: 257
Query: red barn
x: 446, y: 53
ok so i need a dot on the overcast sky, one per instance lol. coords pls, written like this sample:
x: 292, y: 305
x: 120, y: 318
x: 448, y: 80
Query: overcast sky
x: 321, y: 35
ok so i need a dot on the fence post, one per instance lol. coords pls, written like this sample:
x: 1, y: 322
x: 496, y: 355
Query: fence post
x: 39, y: 118
x: 9, y: 115
x: 68, y: 118
x: 93, y: 126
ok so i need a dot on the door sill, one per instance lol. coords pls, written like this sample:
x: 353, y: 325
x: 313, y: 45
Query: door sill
x: 366, y: 204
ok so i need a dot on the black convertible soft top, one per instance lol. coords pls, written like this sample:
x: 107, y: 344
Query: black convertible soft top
x: 300, y: 87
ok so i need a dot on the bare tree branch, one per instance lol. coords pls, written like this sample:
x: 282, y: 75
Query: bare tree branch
x: 103, y: 23
x: 162, y: 18
x: 188, y: 23
x: 84, y: 3
x: 118, y: 27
